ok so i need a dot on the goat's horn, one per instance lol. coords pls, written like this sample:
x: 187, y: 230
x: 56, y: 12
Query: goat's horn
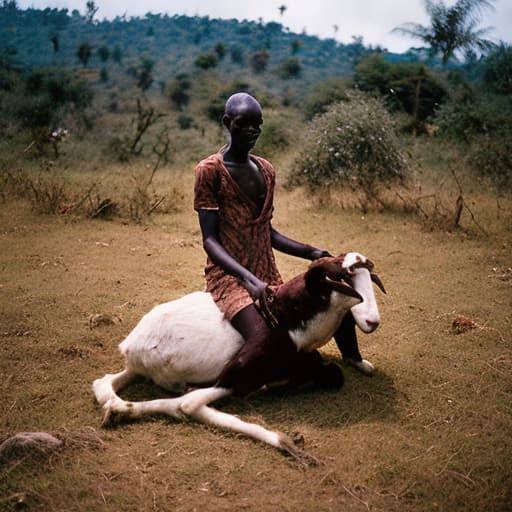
x: 378, y: 282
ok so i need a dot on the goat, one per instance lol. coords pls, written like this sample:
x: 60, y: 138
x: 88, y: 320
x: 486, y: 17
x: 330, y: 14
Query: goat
x: 189, y: 342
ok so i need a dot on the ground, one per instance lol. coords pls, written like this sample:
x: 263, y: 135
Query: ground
x: 429, y: 431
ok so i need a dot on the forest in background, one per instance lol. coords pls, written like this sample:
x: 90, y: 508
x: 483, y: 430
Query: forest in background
x: 151, y: 91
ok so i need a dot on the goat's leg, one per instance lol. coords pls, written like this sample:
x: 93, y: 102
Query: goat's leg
x: 194, y: 405
x: 346, y: 339
x: 303, y: 367
x: 278, y: 440
x: 117, y: 409
x: 106, y: 388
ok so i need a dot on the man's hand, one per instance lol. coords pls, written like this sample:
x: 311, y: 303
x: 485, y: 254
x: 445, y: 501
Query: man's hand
x: 319, y: 253
x: 254, y: 286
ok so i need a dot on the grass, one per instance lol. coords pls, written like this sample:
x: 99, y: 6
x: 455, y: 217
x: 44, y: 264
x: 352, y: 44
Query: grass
x: 430, y: 431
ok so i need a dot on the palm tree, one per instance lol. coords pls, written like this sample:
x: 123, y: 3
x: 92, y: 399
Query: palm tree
x: 452, y: 29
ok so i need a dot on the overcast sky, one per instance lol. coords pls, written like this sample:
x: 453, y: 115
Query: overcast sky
x: 372, y: 19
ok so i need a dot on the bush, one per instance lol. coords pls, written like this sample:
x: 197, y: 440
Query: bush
x: 259, y: 61
x: 353, y: 143
x: 185, y: 122
x: 498, y: 70
x: 274, y: 137
x: 491, y: 155
x: 44, y: 98
x: 207, y: 61
x: 484, y: 128
x: 460, y: 121
x: 290, y: 68
x: 177, y: 91
x: 325, y: 93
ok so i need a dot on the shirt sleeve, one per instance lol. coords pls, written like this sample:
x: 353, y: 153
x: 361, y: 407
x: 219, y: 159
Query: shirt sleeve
x: 206, y: 187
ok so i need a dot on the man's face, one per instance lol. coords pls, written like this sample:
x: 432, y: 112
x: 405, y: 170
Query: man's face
x: 245, y: 129
x: 244, y: 125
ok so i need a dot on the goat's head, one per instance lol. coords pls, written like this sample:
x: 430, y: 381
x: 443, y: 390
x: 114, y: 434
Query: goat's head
x: 352, y: 274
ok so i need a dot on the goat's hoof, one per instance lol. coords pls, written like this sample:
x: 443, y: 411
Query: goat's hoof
x: 288, y: 446
x: 113, y: 414
x: 364, y: 366
x: 298, y: 439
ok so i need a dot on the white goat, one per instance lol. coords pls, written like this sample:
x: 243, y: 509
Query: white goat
x: 188, y: 341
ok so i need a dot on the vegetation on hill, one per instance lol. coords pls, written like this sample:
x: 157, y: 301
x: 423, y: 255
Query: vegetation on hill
x: 153, y: 89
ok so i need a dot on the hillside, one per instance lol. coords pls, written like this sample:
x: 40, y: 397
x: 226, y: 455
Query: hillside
x: 52, y: 37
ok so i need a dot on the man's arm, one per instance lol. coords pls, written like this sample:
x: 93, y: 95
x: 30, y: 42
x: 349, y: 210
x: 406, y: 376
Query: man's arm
x: 209, y: 223
x: 288, y: 246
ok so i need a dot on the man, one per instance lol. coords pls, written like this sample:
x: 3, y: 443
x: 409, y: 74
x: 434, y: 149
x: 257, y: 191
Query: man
x: 234, y: 192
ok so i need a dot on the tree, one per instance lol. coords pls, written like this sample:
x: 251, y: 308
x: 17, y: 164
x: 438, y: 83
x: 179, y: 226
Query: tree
x: 498, y: 70
x: 452, y: 29
x: 177, y: 91
x: 220, y: 50
x: 55, y: 42
x: 144, y: 74
x: 290, y: 68
x: 117, y: 55
x: 92, y: 9
x: 11, y: 5
x: 406, y: 86
x: 103, y: 53
x: 207, y: 61
x: 47, y: 96
x: 296, y: 46
x: 84, y: 53
x: 237, y: 54
x: 259, y: 61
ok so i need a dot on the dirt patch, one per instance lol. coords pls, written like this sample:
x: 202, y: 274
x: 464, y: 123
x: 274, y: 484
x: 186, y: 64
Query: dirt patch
x: 430, y: 431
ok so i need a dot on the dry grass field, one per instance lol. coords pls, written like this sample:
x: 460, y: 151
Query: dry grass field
x: 430, y: 431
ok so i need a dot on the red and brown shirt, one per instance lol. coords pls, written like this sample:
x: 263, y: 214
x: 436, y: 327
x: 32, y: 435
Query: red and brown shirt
x: 244, y: 230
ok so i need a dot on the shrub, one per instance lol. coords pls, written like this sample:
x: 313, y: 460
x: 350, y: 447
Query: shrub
x: 237, y: 55
x: 207, y: 61
x: 325, y: 93
x: 460, y: 121
x: 498, y: 70
x: 290, y: 68
x: 353, y: 143
x: 45, y: 96
x: 491, y: 155
x: 484, y: 128
x: 274, y: 137
x: 185, y: 122
x: 177, y: 91
x: 259, y: 61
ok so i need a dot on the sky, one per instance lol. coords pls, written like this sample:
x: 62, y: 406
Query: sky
x: 371, y: 19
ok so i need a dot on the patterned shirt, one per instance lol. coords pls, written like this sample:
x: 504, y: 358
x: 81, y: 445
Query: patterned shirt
x: 244, y: 230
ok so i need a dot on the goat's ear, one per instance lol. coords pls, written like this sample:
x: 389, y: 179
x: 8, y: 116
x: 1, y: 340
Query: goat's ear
x: 328, y: 265
x: 376, y: 279
x: 316, y: 273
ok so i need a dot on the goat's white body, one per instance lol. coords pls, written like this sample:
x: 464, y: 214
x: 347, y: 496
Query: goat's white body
x: 187, y: 340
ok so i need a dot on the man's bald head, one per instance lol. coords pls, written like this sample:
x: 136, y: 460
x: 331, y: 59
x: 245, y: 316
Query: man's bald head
x: 242, y: 103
